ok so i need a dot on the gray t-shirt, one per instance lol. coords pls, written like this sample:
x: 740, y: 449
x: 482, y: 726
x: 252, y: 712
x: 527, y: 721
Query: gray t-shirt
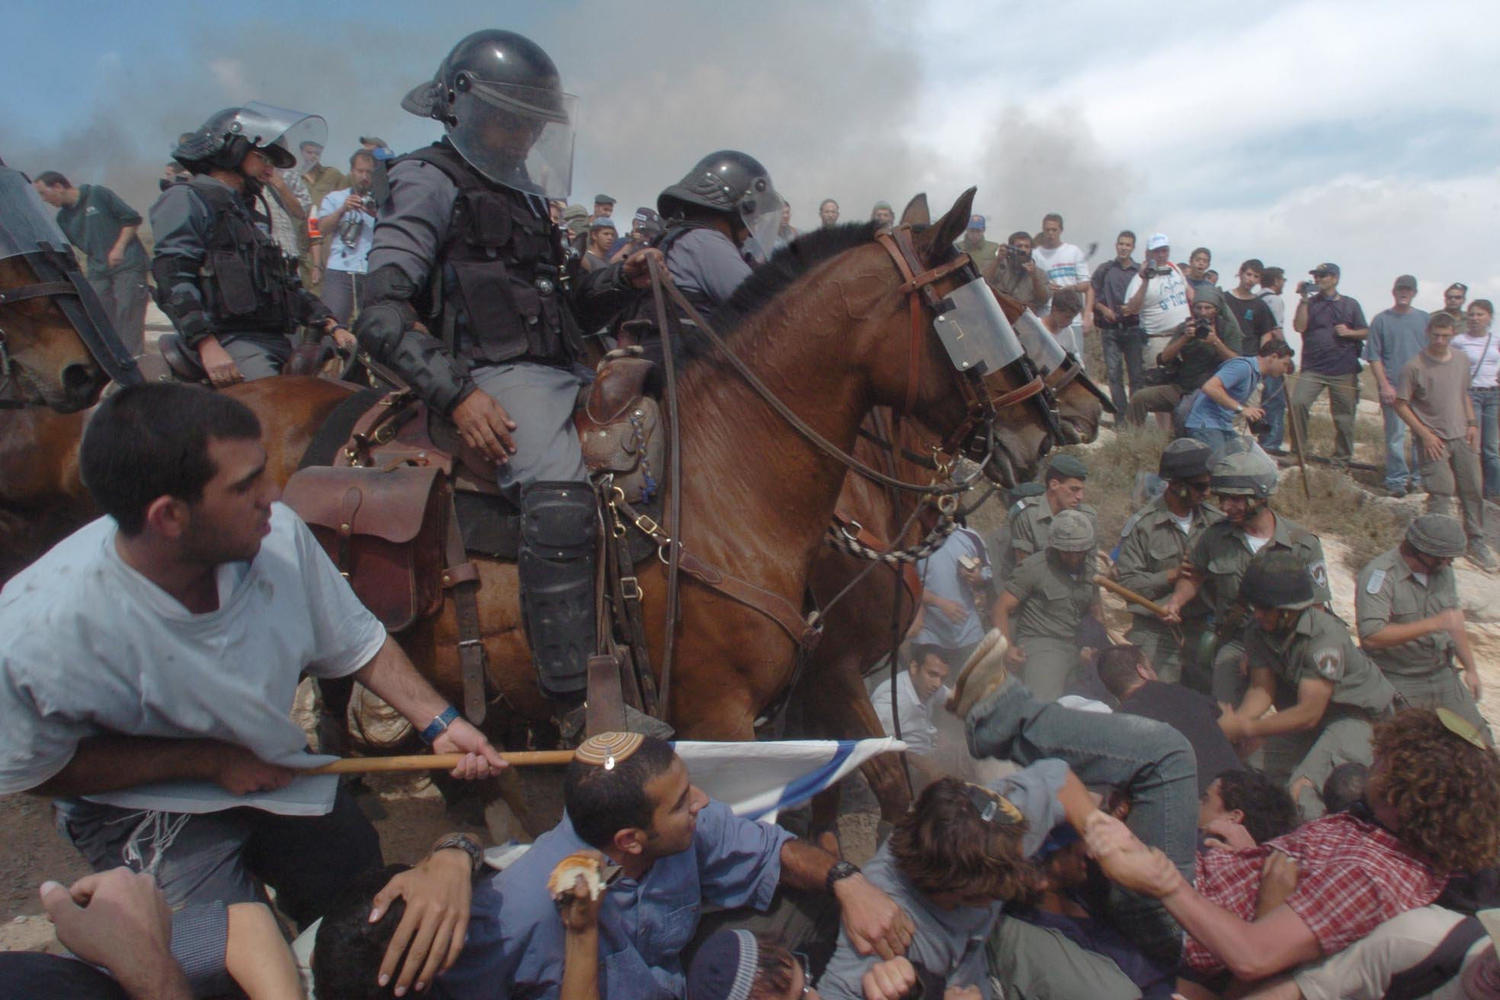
x: 1395, y: 338
x: 1436, y: 391
x: 93, y: 225
x: 950, y: 943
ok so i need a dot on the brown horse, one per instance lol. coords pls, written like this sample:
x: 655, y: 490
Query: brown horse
x: 42, y: 341
x: 831, y: 332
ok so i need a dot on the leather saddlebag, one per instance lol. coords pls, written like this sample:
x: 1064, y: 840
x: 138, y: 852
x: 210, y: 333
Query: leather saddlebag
x: 385, y: 531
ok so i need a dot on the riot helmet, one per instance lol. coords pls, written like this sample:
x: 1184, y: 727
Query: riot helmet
x: 1185, y: 458
x: 228, y: 136
x: 1277, y: 578
x: 1245, y: 473
x: 733, y: 184
x: 500, y: 99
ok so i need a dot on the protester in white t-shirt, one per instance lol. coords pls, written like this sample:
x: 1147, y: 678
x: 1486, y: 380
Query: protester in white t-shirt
x: 1159, y: 294
x: 150, y: 662
x: 1066, y: 267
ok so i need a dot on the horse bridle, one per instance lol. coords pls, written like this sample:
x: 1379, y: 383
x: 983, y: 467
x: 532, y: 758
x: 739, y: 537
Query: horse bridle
x: 974, y: 436
x: 61, y: 280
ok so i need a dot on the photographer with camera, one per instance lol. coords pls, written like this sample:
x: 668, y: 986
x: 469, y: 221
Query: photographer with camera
x: 1225, y: 397
x: 1014, y: 273
x: 347, y: 220
x: 1333, y: 330
x: 1158, y: 294
x: 1199, y: 346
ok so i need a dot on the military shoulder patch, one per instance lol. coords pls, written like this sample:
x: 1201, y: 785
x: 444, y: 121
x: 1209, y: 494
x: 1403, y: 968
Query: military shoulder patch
x: 1319, y: 573
x: 1376, y: 581
x: 1329, y: 663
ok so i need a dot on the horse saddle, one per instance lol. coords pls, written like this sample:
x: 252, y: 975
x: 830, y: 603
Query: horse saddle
x: 184, y: 366
x: 385, y: 476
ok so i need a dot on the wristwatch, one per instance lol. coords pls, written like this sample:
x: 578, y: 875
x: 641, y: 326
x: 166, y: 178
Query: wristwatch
x: 465, y: 843
x: 840, y: 871
x: 439, y: 724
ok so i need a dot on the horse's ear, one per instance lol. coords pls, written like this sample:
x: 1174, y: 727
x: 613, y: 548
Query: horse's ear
x: 952, y: 225
x: 916, y: 212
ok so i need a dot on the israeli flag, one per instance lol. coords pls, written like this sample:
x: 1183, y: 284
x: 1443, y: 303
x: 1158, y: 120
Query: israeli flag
x: 757, y: 779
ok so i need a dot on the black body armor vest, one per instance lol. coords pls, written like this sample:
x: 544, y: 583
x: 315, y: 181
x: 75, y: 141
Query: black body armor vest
x: 246, y: 282
x: 496, y: 292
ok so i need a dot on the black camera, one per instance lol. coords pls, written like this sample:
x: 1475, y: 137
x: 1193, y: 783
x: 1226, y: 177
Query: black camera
x: 1016, y: 254
x: 1156, y: 272
x: 1202, y: 328
x: 1260, y: 427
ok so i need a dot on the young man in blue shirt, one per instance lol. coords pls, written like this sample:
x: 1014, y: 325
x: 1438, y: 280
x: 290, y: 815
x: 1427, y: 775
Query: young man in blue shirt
x: 1224, y: 397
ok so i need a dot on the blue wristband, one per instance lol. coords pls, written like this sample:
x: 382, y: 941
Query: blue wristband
x: 439, y: 725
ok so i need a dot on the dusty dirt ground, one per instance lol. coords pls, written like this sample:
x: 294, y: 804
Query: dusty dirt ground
x: 410, y: 815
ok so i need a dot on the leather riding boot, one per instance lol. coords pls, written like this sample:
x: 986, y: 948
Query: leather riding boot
x: 559, y: 532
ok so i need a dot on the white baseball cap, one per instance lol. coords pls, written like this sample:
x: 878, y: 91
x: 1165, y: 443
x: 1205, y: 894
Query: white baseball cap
x: 1157, y: 241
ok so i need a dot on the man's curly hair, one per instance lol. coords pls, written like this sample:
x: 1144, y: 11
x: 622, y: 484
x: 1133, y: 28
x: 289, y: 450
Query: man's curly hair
x: 1444, y: 789
x: 943, y: 845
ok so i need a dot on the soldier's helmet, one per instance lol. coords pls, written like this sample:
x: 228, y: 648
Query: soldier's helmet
x: 1244, y: 473
x: 1071, y: 531
x: 1276, y: 578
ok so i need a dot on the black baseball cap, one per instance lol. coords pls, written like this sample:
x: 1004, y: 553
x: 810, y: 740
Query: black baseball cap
x: 1325, y: 268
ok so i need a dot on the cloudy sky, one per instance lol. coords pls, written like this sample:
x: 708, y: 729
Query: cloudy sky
x: 1356, y: 132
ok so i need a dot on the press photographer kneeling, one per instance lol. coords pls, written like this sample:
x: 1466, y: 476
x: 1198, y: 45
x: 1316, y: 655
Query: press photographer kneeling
x: 1197, y: 348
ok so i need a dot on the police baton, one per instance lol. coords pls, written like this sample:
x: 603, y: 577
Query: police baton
x: 1129, y: 595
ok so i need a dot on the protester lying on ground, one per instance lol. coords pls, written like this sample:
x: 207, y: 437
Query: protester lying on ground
x: 1432, y: 808
x: 129, y: 943
x: 630, y: 797
x: 1065, y: 909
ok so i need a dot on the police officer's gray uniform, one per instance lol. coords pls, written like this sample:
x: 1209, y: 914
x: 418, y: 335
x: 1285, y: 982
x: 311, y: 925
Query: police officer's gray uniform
x: 705, y: 265
x: 1320, y: 647
x: 1219, y: 557
x: 218, y: 272
x: 1052, y: 605
x: 1152, y: 544
x: 1422, y: 669
x: 466, y: 293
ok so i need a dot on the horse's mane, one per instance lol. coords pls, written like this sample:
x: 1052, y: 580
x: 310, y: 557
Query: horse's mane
x: 772, y: 278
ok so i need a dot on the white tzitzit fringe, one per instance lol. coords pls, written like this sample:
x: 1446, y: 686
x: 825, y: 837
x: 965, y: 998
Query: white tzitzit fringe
x: 154, y: 832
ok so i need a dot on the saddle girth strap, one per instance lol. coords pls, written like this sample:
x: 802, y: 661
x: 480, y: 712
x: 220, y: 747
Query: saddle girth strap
x: 804, y: 632
x: 462, y: 578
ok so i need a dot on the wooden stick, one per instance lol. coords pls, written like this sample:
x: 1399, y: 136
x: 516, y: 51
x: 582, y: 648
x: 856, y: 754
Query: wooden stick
x: 434, y: 762
x: 1129, y: 595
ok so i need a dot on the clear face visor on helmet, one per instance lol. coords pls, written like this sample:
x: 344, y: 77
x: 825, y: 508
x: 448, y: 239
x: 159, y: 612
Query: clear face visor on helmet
x: 760, y: 211
x: 521, y: 137
x: 266, y: 126
x: 975, y: 332
x: 27, y: 223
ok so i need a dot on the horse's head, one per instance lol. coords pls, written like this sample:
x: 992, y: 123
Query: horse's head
x: 53, y: 328
x: 40, y: 341
x: 937, y: 345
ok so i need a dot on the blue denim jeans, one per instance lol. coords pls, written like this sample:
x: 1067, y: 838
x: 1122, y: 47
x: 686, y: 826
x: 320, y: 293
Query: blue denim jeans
x: 1273, y: 401
x: 1487, y: 412
x: 1124, y: 351
x: 1150, y: 760
x: 1401, y: 459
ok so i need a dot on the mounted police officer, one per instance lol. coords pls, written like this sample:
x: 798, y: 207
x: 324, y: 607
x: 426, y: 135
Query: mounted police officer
x: 220, y: 278
x: 722, y: 215
x: 1243, y: 484
x: 1303, y: 661
x: 468, y: 300
x: 1152, y: 546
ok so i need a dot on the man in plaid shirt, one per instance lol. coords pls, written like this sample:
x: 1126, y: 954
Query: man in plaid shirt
x: 1432, y: 807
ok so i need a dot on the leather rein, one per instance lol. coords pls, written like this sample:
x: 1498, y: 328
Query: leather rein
x: 981, y: 409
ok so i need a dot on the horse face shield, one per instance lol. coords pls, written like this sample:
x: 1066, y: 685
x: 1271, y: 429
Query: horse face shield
x: 1057, y: 365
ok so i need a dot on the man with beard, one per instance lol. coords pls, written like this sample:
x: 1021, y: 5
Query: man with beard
x: 828, y: 213
x: 223, y: 282
x: 348, y: 219
x: 1015, y: 274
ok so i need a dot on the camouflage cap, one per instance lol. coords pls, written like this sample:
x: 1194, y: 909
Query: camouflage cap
x: 1072, y: 531
x: 1437, y: 535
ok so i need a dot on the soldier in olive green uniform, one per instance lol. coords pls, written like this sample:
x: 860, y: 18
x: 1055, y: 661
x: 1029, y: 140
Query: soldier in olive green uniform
x: 1152, y: 547
x: 1045, y: 601
x: 1303, y: 661
x: 1218, y: 557
x: 1410, y: 624
x: 1030, y: 525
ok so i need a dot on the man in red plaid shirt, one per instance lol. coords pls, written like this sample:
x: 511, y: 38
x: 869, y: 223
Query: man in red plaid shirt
x: 1432, y: 807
